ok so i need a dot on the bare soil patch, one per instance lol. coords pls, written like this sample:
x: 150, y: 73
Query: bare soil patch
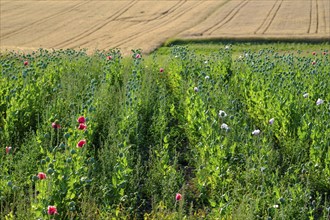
x: 133, y: 24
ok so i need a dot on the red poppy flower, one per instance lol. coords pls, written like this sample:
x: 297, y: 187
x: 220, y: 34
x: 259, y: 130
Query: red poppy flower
x: 81, y: 119
x: 82, y: 126
x: 52, y: 210
x: 42, y: 175
x: 81, y: 143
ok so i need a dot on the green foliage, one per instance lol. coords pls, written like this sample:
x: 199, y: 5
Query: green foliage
x: 158, y: 125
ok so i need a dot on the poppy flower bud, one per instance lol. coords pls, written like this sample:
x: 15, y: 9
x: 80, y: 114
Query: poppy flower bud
x: 8, y: 149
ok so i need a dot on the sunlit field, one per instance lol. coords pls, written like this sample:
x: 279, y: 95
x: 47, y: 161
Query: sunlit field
x: 147, y: 24
x: 188, y: 132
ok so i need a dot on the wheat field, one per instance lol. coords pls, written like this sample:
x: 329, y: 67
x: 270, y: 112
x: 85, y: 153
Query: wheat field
x: 102, y: 25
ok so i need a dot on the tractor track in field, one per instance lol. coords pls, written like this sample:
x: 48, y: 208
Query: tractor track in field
x: 310, y: 15
x: 317, y: 17
x: 174, y: 17
x: 273, y: 17
x: 29, y: 25
x: 170, y: 11
x: 269, y: 18
x: 97, y: 27
x: 230, y: 15
x: 313, y: 17
x: 163, y: 14
x: 117, y: 18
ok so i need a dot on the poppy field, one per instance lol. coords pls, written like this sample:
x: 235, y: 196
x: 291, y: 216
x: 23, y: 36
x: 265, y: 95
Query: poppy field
x: 184, y: 135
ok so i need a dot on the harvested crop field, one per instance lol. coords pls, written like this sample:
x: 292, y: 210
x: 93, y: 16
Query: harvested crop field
x: 29, y: 25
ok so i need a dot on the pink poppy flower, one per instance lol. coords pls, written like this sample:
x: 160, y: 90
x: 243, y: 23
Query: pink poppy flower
x: 56, y: 125
x: 109, y: 57
x: 138, y: 56
x: 178, y: 197
x: 81, y: 143
x: 161, y: 70
x: 26, y: 63
x: 52, y: 210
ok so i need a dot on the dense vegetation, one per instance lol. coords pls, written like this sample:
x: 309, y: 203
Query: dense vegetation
x: 182, y: 135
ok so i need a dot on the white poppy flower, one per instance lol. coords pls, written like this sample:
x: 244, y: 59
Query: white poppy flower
x: 256, y: 132
x: 319, y: 101
x: 225, y: 126
x: 222, y: 114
